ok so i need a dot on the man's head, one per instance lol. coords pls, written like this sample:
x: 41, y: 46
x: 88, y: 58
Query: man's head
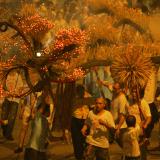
x: 118, y: 86
x: 100, y: 104
x: 131, y: 121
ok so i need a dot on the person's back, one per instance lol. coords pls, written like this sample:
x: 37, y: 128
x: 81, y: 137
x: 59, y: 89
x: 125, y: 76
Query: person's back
x: 118, y: 106
x: 39, y: 134
x: 131, y: 147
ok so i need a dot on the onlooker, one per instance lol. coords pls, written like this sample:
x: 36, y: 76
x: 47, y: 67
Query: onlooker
x: 118, y: 111
x: 139, y: 108
x: 93, y: 81
x: 131, y: 147
x: 99, y: 121
x: 36, y: 148
x: 118, y: 108
x: 9, y: 113
x: 79, y: 114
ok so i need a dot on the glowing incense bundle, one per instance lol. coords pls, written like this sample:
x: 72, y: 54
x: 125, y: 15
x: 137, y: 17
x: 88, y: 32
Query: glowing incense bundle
x: 131, y: 68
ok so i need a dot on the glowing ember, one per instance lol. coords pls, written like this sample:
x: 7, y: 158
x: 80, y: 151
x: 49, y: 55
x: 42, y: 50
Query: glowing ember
x: 67, y: 37
x: 75, y: 75
x: 35, y: 24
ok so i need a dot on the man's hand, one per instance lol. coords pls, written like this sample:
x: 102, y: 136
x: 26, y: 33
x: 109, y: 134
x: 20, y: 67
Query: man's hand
x: 102, y: 122
x: 4, y: 122
x: 117, y: 133
x: 104, y: 83
x: 84, y: 130
x: 144, y: 125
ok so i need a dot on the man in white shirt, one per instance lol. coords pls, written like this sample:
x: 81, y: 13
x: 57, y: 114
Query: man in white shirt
x: 99, y: 121
x: 142, y: 113
x: 118, y: 110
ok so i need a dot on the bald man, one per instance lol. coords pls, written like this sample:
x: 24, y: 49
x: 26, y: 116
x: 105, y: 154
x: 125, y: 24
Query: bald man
x: 99, y: 121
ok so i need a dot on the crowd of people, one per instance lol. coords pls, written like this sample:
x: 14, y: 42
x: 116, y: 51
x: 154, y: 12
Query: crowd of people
x: 127, y: 118
x: 36, y: 115
x: 96, y: 122
x: 103, y: 111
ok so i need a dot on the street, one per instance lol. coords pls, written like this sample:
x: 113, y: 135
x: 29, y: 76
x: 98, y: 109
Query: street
x: 59, y: 150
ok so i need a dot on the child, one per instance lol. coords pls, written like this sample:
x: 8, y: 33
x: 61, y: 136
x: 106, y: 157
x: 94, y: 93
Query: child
x: 131, y: 147
x: 36, y: 148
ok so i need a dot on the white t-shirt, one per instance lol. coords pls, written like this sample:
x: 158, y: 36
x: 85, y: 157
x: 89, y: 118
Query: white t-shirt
x: 119, y: 107
x: 130, y: 142
x: 134, y: 110
x: 98, y: 132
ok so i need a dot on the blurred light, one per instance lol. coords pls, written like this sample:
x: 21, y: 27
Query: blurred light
x: 38, y: 54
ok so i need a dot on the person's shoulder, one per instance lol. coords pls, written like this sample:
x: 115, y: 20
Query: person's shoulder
x: 91, y: 112
x: 107, y: 113
x: 131, y: 131
x: 122, y: 97
x: 122, y: 94
x: 144, y: 102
